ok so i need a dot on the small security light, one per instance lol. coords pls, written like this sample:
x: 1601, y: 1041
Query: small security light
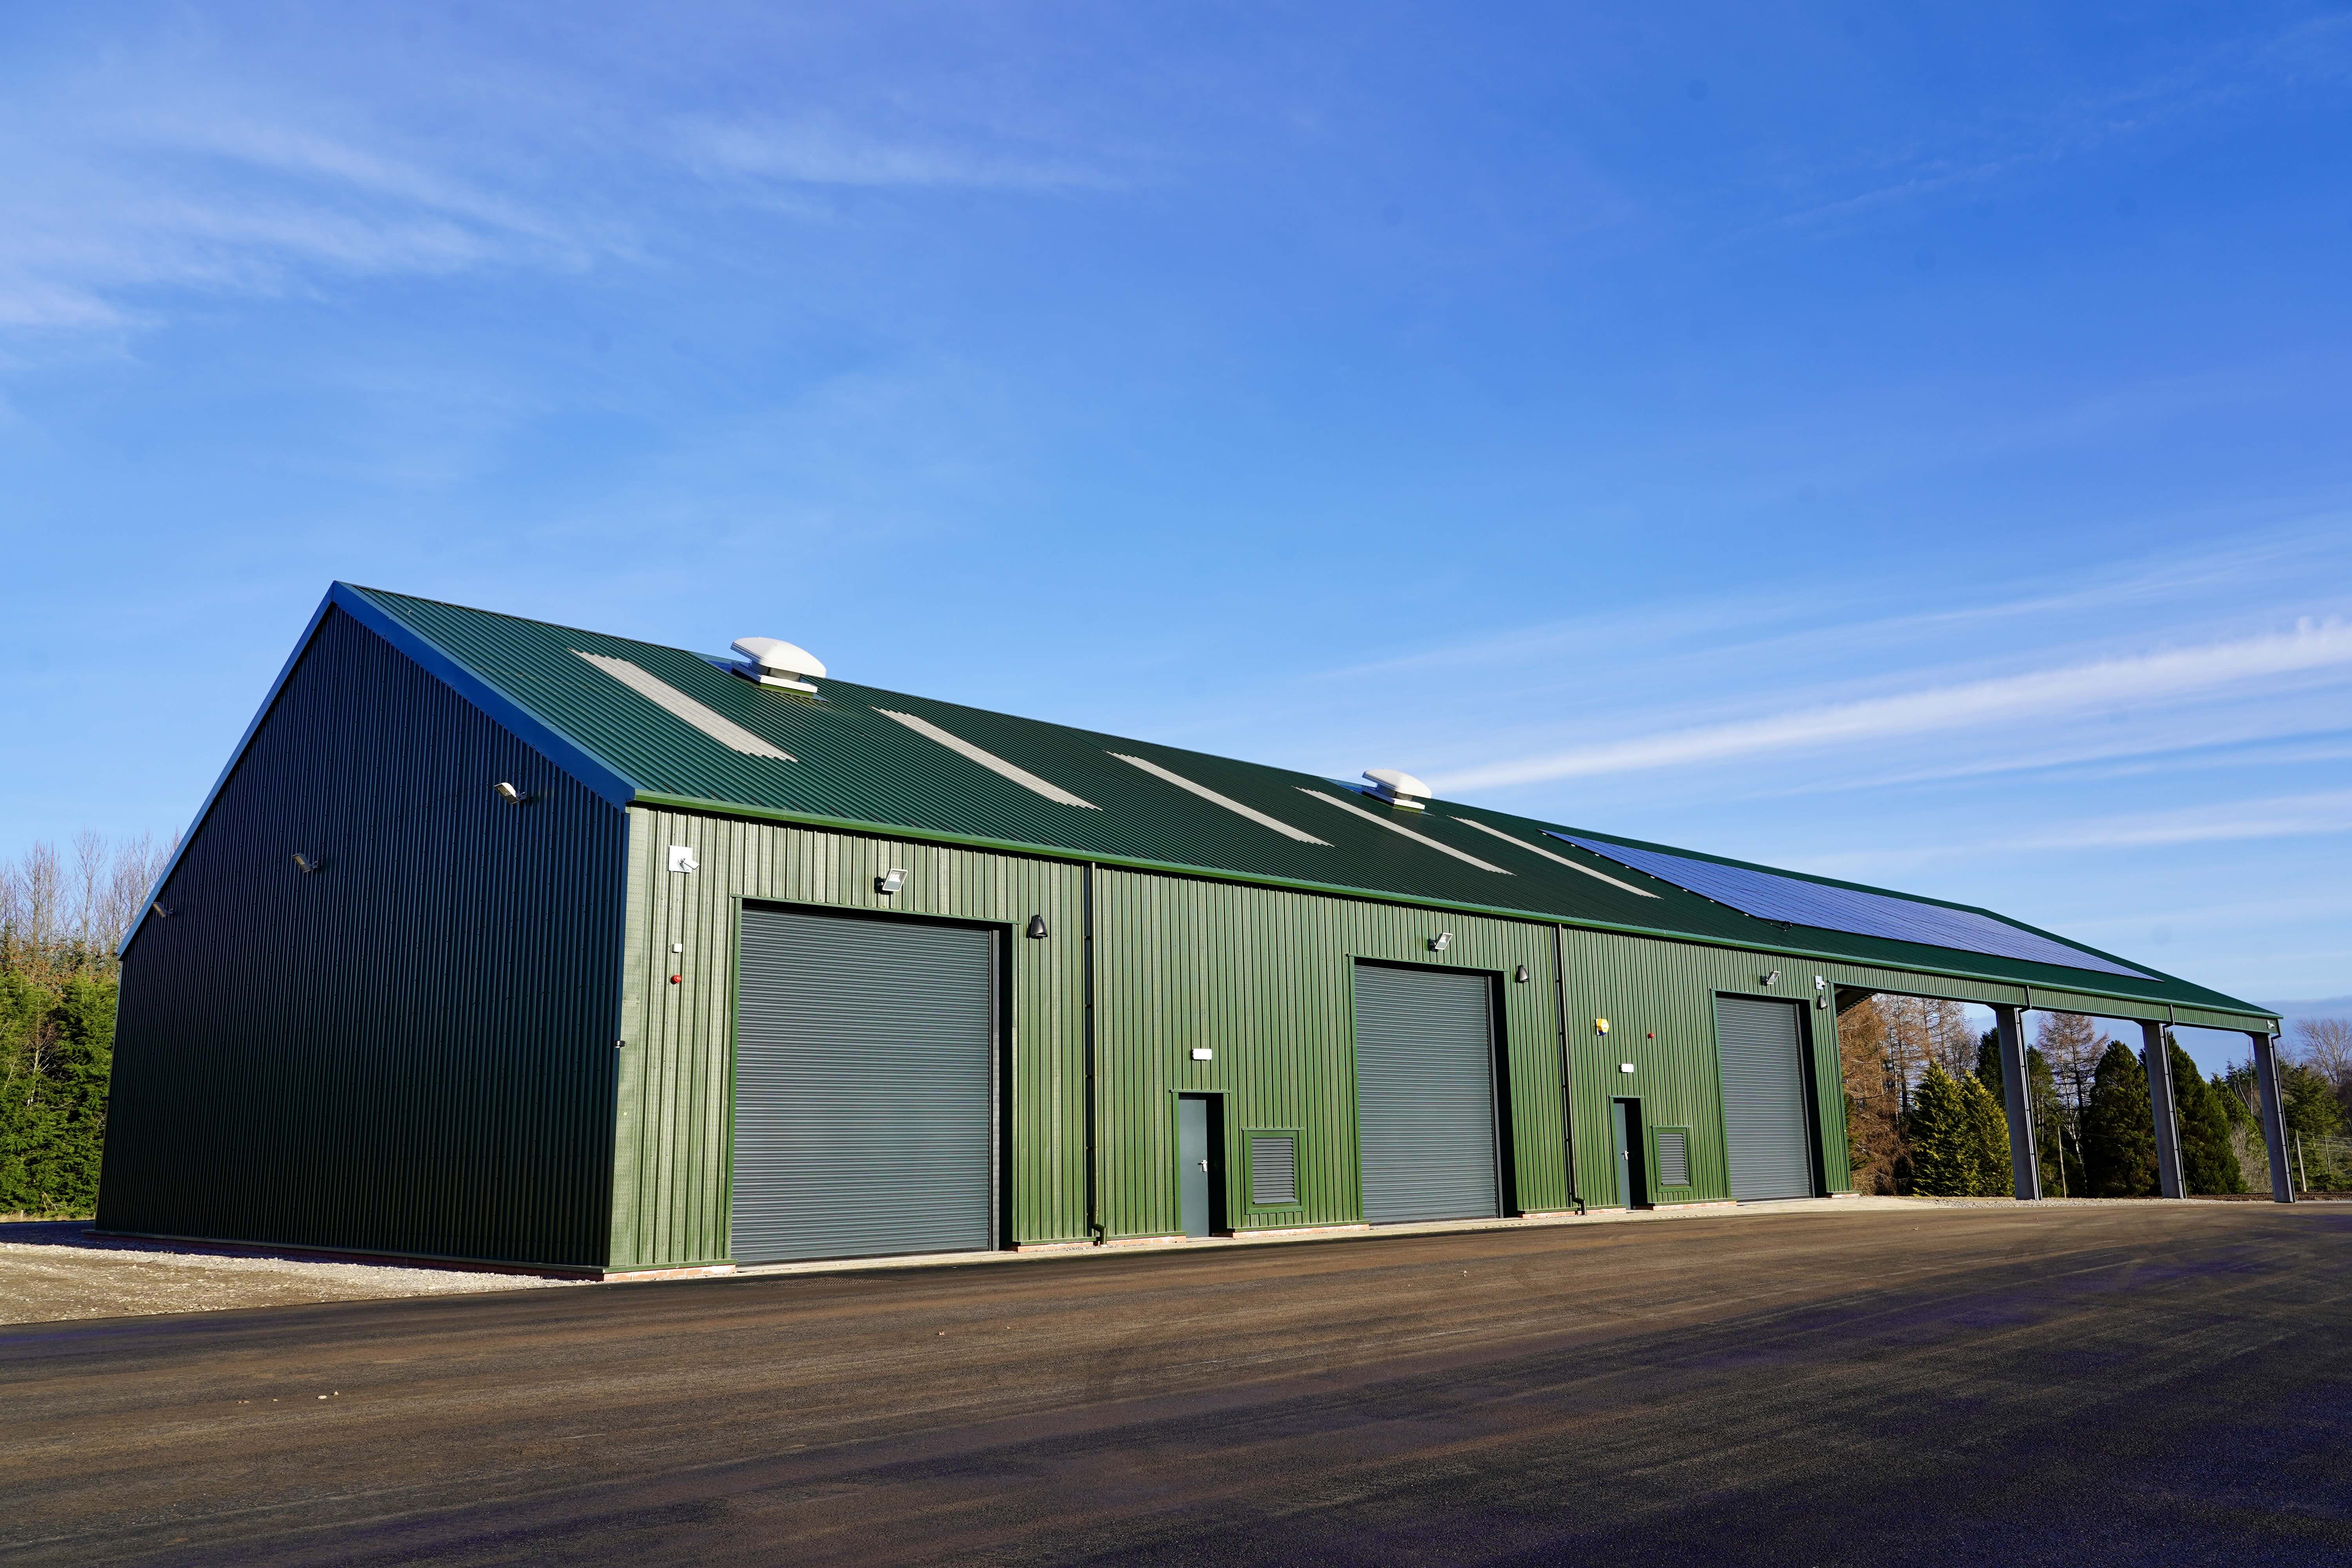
x: 891, y: 881
x: 1773, y: 978
x: 1441, y: 941
x: 164, y: 910
x: 682, y: 858
x: 1819, y: 983
x: 304, y: 864
x: 1599, y: 1026
x: 507, y: 793
x: 1037, y: 927
x: 1521, y: 974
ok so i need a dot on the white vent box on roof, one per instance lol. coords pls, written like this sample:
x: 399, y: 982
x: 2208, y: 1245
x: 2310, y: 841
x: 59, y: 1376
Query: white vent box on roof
x: 775, y: 663
x: 1398, y: 789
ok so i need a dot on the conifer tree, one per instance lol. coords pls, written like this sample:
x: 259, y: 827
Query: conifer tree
x: 1987, y: 1140
x: 2208, y: 1164
x: 2118, y: 1141
x: 1938, y: 1128
x: 2061, y: 1172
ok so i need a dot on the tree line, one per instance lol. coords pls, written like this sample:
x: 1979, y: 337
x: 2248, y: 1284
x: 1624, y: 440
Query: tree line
x: 1927, y: 1110
x: 62, y: 915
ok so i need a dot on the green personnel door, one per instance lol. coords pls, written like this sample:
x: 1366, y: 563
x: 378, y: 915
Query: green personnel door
x: 1766, y: 1126
x: 865, y: 1055
x: 1425, y: 1094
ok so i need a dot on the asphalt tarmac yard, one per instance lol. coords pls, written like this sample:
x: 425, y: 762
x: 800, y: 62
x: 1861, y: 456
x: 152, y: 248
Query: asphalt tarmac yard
x: 2126, y: 1383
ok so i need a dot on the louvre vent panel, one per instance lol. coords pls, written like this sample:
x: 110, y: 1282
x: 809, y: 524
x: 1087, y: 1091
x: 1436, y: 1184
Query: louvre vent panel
x: 1674, y: 1157
x: 1274, y: 1169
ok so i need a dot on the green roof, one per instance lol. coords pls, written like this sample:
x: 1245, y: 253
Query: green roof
x: 864, y: 758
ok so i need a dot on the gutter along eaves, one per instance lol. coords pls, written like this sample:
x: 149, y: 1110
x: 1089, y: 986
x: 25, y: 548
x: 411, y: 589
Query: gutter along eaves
x: 1499, y: 911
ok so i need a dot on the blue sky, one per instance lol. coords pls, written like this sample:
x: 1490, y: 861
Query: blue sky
x: 1906, y: 449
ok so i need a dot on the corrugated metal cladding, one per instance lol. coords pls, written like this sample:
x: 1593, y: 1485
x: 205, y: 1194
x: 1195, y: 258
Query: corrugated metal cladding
x: 864, y: 1076
x: 1265, y: 981
x: 1261, y: 978
x: 1660, y: 1000
x: 409, y: 1050
x: 1425, y: 1084
x: 671, y: 1203
x: 1767, y: 1143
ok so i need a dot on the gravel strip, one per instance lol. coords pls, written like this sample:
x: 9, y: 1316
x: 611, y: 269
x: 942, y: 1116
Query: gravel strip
x: 52, y: 1269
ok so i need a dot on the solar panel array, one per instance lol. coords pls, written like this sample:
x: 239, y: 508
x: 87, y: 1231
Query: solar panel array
x: 1775, y: 897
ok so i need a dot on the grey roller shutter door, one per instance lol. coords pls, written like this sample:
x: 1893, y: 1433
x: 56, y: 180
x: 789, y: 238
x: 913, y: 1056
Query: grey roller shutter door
x: 864, y: 1060
x: 1425, y: 1091
x: 1764, y: 1120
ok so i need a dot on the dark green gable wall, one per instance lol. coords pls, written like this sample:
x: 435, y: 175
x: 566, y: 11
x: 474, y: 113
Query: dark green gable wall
x: 1261, y: 977
x: 410, y: 1051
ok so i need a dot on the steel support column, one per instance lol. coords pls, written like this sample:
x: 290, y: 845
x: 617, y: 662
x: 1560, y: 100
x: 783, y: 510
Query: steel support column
x: 2016, y: 1089
x: 2266, y: 1084
x: 2158, y: 1060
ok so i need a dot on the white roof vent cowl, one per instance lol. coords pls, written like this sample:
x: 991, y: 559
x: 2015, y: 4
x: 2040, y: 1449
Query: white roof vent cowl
x: 774, y: 663
x: 1398, y: 789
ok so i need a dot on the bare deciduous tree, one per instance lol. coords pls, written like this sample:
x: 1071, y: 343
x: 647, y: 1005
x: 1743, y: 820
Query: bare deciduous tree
x: 2072, y: 1044
x: 2325, y: 1044
x: 75, y: 915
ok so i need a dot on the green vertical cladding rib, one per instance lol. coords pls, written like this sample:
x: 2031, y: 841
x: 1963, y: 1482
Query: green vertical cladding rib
x: 853, y: 764
x: 1659, y: 999
x: 672, y: 1161
x: 1275, y: 1008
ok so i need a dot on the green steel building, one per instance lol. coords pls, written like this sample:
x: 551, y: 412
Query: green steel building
x: 505, y: 943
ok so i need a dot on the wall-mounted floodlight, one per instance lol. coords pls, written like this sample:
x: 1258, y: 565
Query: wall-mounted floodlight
x: 890, y: 881
x: 681, y: 858
x: 1599, y: 1026
x: 1037, y: 927
x: 1773, y: 978
x: 507, y: 793
x: 304, y: 864
x: 1819, y: 983
x: 1441, y: 941
x: 1521, y: 974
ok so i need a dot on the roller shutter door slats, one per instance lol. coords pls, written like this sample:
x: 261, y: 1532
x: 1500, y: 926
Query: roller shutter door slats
x: 862, y: 1065
x: 1764, y: 1119
x: 1425, y: 1087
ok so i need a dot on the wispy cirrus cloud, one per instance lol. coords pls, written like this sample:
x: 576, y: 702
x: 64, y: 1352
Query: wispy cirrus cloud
x: 99, y: 214
x: 2171, y: 675
x: 2317, y: 814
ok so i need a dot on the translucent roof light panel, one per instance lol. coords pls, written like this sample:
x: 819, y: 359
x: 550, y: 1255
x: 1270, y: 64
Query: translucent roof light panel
x: 1775, y: 897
